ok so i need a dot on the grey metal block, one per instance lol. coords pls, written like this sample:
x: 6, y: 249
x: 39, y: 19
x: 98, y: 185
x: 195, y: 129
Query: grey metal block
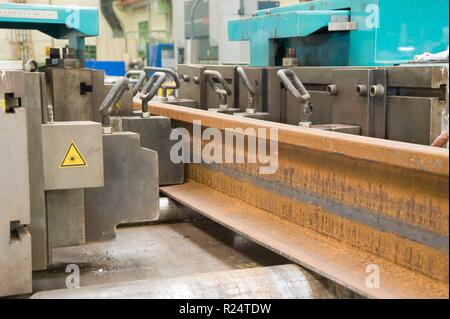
x: 15, y: 262
x: 12, y: 82
x: 193, y: 84
x: 57, y: 138
x: 14, y: 175
x: 155, y: 135
x: 414, y: 119
x: 71, y: 93
x: 15, y: 241
x: 32, y: 103
x: 66, y: 218
x: 131, y: 191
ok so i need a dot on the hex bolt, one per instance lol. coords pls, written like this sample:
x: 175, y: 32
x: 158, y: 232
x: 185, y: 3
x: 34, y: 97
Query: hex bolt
x: 196, y: 80
x: 377, y: 90
x: 332, y: 89
x: 361, y: 90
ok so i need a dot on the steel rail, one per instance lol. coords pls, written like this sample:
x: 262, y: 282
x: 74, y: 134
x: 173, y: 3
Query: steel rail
x: 338, y: 204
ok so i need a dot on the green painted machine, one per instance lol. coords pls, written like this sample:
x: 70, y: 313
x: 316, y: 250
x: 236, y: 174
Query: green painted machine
x: 345, y: 32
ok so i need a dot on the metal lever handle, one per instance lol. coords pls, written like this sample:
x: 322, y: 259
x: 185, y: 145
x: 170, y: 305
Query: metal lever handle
x: 151, y: 89
x: 112, y: 98
x: 223, y: 92
x: 295, y: 86
x: 141, y: 76
x: 169, y: 72
x: 250, y: 88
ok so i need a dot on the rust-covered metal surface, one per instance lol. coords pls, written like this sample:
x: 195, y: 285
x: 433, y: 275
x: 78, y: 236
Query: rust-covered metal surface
x: 337, y: 204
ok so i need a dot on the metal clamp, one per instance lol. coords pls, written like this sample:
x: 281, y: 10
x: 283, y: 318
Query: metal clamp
x: 111, y: 99
x: 295, y: 86
x: 169, y: 72
x: 249, y: 86
x: 150, y: 90
x: 136, y: 84
x: 214, y: 78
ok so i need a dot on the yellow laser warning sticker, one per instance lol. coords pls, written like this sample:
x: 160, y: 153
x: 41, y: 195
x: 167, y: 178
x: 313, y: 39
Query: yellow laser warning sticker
x: 3, y: 105
x: 73, y: 157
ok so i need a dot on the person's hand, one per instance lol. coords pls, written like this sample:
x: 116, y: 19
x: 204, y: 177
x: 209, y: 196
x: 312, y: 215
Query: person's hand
x: 441, y: 141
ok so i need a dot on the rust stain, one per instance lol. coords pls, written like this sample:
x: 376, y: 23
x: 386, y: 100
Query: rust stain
x: 428, y: 261
x: 405, y: 183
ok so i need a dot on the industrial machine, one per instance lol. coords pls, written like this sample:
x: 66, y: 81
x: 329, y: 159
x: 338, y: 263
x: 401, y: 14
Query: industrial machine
x: 60, y: 22
x: 214, y: 87
x: 345, y: 66
x: 63, y: 159
x: 154, y: 131
x: 15, y: 239
x: 200, y: 30
x: 344, y: 32
x: 79, y: 157
x: 73, y: 179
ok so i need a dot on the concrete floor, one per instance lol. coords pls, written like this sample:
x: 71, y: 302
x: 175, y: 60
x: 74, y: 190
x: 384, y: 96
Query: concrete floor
x: 156, y: 251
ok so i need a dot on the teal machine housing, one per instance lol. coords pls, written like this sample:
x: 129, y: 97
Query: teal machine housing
x: 346, y: 32
x: 60, y: 22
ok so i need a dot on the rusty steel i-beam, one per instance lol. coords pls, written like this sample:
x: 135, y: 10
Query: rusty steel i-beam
x: 346, y: 207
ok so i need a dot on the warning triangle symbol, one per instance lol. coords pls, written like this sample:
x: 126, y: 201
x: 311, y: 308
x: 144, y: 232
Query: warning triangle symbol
x: 73, y: 157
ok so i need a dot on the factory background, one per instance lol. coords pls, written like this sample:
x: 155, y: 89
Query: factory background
x: 126, y: 31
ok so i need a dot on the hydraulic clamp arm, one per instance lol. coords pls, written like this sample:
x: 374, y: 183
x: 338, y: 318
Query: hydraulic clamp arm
x: 249, y: 86
x: 111, y: 99
x: 295, y: 86
x: 170, y: 74
x: 215, y: 79
x: 151, y: 89
x: 135, y: 85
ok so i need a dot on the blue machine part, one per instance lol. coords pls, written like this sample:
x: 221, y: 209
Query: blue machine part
x: 161, y: 55
x: 60, y: 22
x: 388, y: 32
x: 111, y: 68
